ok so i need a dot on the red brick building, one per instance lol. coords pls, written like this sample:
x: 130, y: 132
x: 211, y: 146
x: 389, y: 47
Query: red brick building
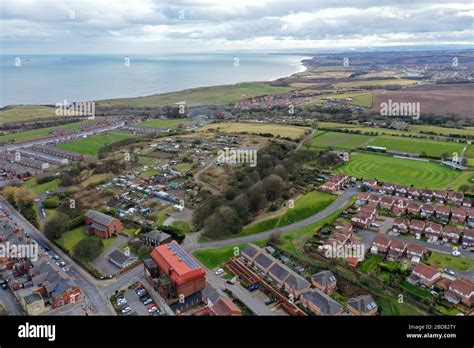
x: 178, y: 272
x: 102, y: 225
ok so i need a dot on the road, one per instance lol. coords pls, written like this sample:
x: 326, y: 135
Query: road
x: 368, y: 237
x: 338, y: 204
x: 197, y: 177
x: 94, y: 298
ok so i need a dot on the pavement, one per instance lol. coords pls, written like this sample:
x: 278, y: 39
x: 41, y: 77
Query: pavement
x: 192, y: 244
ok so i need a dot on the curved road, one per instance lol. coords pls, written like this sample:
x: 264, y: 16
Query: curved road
x: 339, y: 203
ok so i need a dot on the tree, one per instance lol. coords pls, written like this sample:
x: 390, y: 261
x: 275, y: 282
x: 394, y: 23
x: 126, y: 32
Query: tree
x: 464, y: 188
x: 56, y: 225
x: 9, y: 194
x: 274, y: 186
x: 24, y: 198
x: 88, y: 248
x: 275, y: 238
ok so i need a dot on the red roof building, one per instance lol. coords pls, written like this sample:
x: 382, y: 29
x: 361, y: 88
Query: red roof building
x: 179, y: 272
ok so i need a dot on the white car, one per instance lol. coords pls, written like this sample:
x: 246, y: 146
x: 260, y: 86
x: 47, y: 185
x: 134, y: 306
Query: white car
x: 219, y: 271
x: 455, y: 252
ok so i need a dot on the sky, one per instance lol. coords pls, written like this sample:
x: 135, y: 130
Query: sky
x: 189, y: 26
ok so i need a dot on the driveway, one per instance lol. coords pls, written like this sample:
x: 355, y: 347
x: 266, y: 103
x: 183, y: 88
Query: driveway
x: 102, y: 262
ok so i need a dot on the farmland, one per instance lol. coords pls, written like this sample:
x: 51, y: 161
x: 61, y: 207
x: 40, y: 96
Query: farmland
x: 276, y: 130
x: 434, y: 99
x: 340, y: 140
x: 216, y: 95
x: 419, y: 146
x: 399, y: 171
x: 358, y: 99
x: 92, y: 145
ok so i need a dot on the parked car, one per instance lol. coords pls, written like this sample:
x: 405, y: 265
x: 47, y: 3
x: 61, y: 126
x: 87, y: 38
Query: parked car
x: 230, y: 282
x: 152, y: 308
x: 455, y: 252
x: 219, y: 271
x: 126, y: 310
x: 269, y: 301
x: 449, y: 271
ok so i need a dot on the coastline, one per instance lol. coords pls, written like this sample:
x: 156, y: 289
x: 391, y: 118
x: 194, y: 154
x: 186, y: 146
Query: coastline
x: 298, y: 65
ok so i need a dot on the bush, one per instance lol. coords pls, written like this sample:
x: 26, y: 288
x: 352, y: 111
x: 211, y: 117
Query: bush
x: 51, y: 202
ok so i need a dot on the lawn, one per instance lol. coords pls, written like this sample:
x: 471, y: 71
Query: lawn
x: 430, y: 147
x: 42, y: 188
x: 277, y: 130
x: 183, y: 167
x: 216, y: 95
x: 168, y: 123
x: 305, y: 206
x: 440, y: 260
x: 341, y: 140
x: 69, y: 239
x: 369, y: 264
x: 212, y: 258
x: 415, y: 290
x: 182, y: 225
x: 399, y: 171
x: 92, y: 145
x: 393, y: 307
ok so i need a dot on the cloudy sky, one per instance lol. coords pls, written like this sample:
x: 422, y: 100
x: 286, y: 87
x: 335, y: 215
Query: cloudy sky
x: 161, y: 26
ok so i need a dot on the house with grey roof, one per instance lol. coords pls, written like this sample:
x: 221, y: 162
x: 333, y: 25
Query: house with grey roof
x: 250, y: 252
x: 263, y: 262
x: 102, y: 225
x: 362, y: 305
x: 278, y: 273
x: 121, y: 260
x: 324, y: 281
x: 320, y: 303
x: 296, y: 284
x: 155, y: 238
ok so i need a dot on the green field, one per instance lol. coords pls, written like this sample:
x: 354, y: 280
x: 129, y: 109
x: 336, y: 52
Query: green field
x: 92, y: 145
x: 305, y: 206
x: 412, y: 145
x: 358, y: 99
x: 70, y: 238
x: 42, y: 188
x: 338, y: 140
x: 399, y: 171
x: 216, y: 95
x: 18, y: 113
x: 36, y: 133
x: 285, y: 131
x: 168, y: 123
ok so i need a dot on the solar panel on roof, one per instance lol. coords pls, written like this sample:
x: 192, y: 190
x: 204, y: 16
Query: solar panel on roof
x: 186, y: 258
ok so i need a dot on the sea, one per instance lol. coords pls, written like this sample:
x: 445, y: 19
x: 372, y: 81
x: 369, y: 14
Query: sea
x: 51, y: 79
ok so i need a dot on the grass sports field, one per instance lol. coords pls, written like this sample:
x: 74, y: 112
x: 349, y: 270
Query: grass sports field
x: 281, y: 130
x: 430, y: 147
x: 92, y: 145
x: 216, y: 95
x: 359, y: 99
x: 341, y: 140
x: 399, y: 171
